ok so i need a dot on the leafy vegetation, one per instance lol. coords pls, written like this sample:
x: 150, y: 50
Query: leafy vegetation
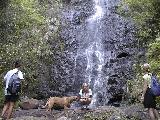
x: 23, y: 29
x: 154, y: 55
x: 145, y: 15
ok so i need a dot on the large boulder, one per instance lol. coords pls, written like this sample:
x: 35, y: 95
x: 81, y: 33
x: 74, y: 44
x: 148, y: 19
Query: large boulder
x: 29, y: 104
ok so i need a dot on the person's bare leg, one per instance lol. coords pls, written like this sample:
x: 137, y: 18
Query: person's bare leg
x: 10, y: 109
x: 156, y: 114
x: 82, y: 101
x: 88, y: 101
x: 6, y: 106
x: 151, y: 113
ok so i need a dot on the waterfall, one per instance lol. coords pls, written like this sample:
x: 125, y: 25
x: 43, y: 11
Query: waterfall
x: 95, y: 51
x: 94, y: 36
x: 98, y: 11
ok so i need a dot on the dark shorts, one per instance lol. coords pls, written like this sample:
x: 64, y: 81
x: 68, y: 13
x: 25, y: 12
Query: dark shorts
x: 149, y: 99
x: 11, y: 98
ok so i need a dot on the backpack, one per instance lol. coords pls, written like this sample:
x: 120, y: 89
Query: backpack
x: 14, y: 85
x: 155, y: 85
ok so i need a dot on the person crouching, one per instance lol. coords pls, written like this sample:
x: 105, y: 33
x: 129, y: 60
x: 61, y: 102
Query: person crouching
x: 85, y: 95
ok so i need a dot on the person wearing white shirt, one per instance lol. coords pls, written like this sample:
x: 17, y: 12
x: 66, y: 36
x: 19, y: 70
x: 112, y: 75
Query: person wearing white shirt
x: 9, y: 98
x: 85, y: 95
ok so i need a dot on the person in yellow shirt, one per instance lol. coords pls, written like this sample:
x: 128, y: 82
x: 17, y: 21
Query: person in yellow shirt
x: 148, y: 98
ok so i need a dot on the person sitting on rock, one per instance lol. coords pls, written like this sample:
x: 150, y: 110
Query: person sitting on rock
x: 85, y: 95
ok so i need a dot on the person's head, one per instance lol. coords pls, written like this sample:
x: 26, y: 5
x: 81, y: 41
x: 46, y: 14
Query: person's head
x: 85, y: 86
x: 17, y: 64
x: 146, y: 67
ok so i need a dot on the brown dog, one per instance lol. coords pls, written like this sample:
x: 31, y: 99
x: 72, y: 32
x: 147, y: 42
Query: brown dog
x: 60, y: 101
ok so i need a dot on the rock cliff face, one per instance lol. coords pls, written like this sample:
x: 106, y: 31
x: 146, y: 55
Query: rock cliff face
x: 99, y: 48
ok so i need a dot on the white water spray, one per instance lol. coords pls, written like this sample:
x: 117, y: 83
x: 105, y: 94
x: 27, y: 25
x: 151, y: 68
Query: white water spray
x: 95, y: 50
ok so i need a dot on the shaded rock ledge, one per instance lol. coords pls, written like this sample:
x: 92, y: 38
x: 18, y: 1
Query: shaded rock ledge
x: 134, y: 112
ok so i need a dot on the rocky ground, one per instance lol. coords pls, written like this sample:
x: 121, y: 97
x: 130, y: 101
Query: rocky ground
x: 133, y: 112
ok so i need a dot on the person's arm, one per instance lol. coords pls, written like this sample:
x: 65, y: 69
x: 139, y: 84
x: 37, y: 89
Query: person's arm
x: 5, y: 77
x: 145, y: 86
x: 80, y: 94
x: 20, y: 75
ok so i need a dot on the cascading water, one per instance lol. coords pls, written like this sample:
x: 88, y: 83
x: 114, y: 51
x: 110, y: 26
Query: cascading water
x: 95, y: 52
x: 99, y: 38
x: 99, y: 48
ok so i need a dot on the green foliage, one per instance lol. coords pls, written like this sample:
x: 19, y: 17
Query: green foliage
x: 134, y: 87
x: 145, y: 15
x: 1, y: 94
x: 154, y: 55
x: 23, y: 26
x: 137, y: 10
x: 134, y: 91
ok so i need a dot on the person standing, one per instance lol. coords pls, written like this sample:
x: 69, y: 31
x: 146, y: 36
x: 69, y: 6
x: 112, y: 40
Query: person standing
x: 10, y: 99
x: 148, y: 98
